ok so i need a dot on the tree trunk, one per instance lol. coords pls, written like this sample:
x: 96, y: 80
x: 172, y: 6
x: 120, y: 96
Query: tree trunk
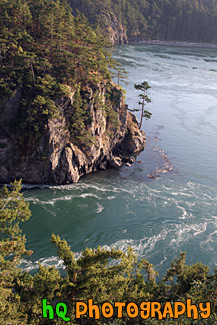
x: 143, y: 105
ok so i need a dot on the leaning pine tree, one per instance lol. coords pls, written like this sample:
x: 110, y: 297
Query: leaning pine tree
x: 144, y: 86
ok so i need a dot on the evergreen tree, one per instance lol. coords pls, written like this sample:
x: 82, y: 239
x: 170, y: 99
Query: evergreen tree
x: 170, y: 20
x: 47, y: 54
x: 144, y: 86
x: 99, y: 274
x: 13, y: 209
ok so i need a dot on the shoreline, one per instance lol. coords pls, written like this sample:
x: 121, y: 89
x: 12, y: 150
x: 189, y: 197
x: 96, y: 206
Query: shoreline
x: 175, y: 43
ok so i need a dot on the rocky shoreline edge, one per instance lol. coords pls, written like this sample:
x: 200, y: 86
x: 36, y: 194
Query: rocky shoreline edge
x: 56, y: 160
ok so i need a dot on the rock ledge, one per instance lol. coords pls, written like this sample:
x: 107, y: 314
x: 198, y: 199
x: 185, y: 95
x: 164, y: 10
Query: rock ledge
x: 57, y: 160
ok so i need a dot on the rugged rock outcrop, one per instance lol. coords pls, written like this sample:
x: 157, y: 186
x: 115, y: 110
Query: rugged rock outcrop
x: 56, y: 159
x: 114, y: 29
x: 116, y: 32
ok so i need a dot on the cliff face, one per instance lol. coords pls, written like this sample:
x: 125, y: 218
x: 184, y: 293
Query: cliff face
x: 113, y: 28
x: 116, y: 32
x: 56, y: 159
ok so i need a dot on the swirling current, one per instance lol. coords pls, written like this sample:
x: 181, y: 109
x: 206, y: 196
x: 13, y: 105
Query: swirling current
x: 166, y: 202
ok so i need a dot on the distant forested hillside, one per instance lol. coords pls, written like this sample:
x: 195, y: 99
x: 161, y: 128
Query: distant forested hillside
x: 170, y: 20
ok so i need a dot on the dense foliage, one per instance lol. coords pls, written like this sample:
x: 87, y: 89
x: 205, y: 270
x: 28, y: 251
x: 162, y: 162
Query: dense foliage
x: 98, y: 274
x: 171, y: 20
x: 46, y: 54
x: 13, y: 209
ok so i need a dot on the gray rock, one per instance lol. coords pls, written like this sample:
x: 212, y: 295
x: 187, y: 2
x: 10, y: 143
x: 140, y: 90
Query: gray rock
x: 132, y: 160
x: 103, y: 165
x: 114, y: 29
x: 115, y: 162
x: 4, y: 175
x: 56, y: 159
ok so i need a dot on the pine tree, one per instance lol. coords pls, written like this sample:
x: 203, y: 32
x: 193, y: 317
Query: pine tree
x: 13, y: 209
x: 144, y: 86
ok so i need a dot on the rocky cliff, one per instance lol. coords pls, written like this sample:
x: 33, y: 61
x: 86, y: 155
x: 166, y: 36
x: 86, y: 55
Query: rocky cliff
x: 114, y: 29
x: 116, y: 32
x: 56, y: 159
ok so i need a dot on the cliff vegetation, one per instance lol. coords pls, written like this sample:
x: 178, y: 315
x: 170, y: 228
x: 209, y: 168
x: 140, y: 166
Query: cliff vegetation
x: 167, y: 20
x: 61, y: 116
x: 99, y: 274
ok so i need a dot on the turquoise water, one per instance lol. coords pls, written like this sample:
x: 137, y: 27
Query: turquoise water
x: 166, y: 202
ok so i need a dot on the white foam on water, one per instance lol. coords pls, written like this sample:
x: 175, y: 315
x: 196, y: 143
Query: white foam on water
x: 185, y: 214
x: 34, y: 200
x: 190, y: 204
x: 141, y: 246
x: 52, y: 202
x: 210, y: 237
x: 27, y: 265
x: 98, y: 187
x: 111, y: 197
x: 84, y: 195
x: 186, y: 231
x: 100, y: 208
